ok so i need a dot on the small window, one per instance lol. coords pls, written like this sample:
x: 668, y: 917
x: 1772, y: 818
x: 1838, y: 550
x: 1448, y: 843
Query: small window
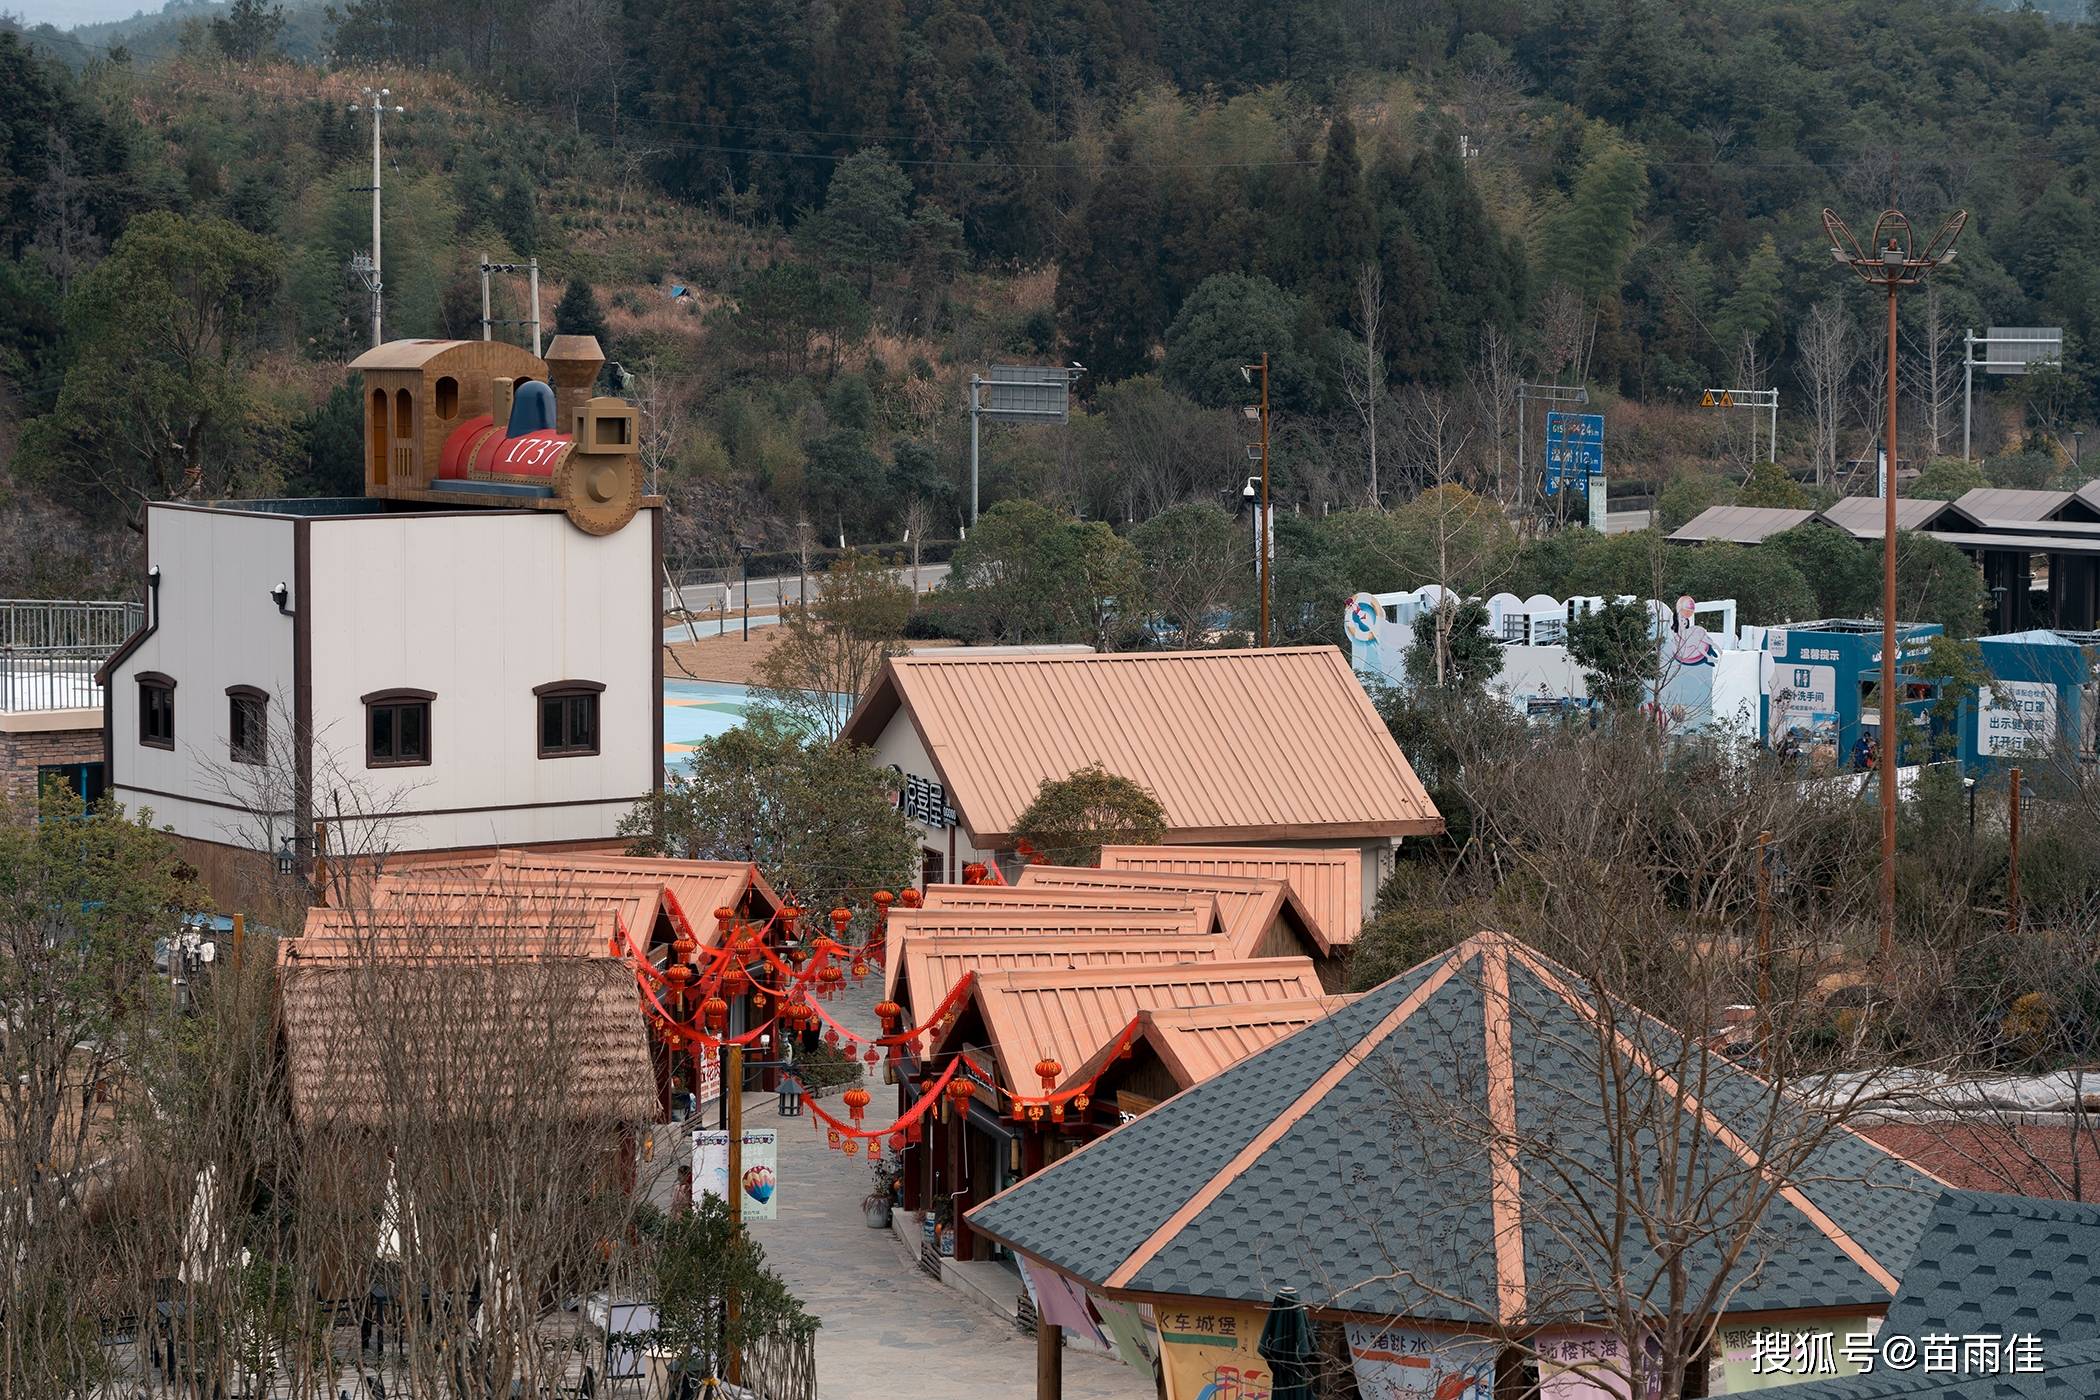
x: 568, y: 718
x: 397, y: 728
x: 156, y: 710
x: 247, y: 724
x: 447, y: 396
x: 404, y: 414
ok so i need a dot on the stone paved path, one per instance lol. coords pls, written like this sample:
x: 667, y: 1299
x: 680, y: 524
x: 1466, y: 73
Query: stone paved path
x: 890, y: 1332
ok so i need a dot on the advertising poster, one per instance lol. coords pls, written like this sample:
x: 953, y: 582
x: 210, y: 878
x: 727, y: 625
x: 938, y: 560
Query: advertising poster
x: 1804, y: 714
x: 2014, y: 718
x: 761, y: 1154
x: 1403, y: 1363
x: 1208, y: 1352
x: 1586, y: 1364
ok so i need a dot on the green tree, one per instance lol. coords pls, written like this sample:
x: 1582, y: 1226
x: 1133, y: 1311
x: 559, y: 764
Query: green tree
x: 1109, y: 304
x: 714, y: 1291
x: 819, y: 820
x: 1947, y: 479
x: 1029, y: 574
x: 1752, y: 309
x: 1226, y: 324
x: 1452, y: 650
x: 156, y: 402
x: 1768, y: 589
x: 578, y: 313
x: 1071, y: 818
x: 1688, y: 493
x: 1339, y: 237
x: 1620, y: 660
x: 1936, y: 582
x: 865, y: 224
x: 248, y: 30
x: 826, y: 655
x: 1844, y: 575
x: 1588, y: 241
x: 1770, y: 485
x: 842, y: 484
x: 517, y: 215
x: 1198, y: 565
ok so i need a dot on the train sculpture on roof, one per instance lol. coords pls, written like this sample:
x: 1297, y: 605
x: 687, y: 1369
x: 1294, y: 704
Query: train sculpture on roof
x: 486, y: 423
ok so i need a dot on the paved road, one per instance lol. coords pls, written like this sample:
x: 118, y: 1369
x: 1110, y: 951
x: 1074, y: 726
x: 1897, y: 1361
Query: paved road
x: 1625, y: 522
x: 768, y: 593
x: 890, y: 1332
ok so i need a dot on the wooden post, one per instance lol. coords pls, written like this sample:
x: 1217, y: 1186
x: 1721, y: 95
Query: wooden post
x: 733, y: 1095
x: 240, y: 937
x: 1049, y: 1360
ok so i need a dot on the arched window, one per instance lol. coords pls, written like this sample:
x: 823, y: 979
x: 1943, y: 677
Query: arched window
x: 404, y: 413
x: 156, y: 710
x: 376, y: 435
x: 247, y: 724
x: 447, y: 397
x: 568, y: 717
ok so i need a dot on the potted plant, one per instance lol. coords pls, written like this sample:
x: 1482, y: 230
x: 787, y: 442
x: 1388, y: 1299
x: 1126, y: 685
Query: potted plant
x: 887, y: 1171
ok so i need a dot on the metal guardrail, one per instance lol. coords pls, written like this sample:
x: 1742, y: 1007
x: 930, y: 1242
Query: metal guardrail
x: 45, y: 623
x: 37, y: 679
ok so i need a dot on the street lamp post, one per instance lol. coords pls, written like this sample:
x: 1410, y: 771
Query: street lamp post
x: 743, y: 555
x: 1264, y: 550
x: 1892, y: 264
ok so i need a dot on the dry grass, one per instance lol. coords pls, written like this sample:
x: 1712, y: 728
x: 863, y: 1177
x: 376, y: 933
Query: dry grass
x: 727, y: 658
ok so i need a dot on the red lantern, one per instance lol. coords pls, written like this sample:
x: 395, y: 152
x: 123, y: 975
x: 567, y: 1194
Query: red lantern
x: 1080, y: 1101
x: 871, y: 1057
x: 860, y: 968
x: 888, y: 1012
x: 715, y: 1012
x: 678, y: 974
x: 841, y: 917
x: 852, y: 1147
x: 758, y: 1001
x: 973, y: 873
x: 857, y: 1100
x: 831, y: 1036
x: 722, y: 917
x: 910, y: 899
x: 682, y: 947
x: 960, y: 1091
x: 736, y: 981
x: 1047, y: 1070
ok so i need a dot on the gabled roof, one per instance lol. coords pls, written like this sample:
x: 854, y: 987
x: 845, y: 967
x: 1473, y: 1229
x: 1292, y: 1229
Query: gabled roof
x: 1247, y: 745
x: 927, y: 969
x: 1302, y: 1164
x: 1738, y: 524
x: 1248, y: 906
x: 452, y: 934
x: 1021, y: 898
x: 1196, y: 1042
x: 1862, y: 516
x: 1329, y: 883
x: 699, y: 886
x: 2001, y: 505
x: 1049, y: 927
x: 1068, y: 1016
x: 638, y: 901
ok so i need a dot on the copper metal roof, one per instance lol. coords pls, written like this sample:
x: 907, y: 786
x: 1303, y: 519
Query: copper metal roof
x: 1739, y: 524
x: 638, y: 900
x: 1050, y: 927
x: 1249, y: 745
x: 699, y: 886
x: 927, y: 969
x: 1068, y: 1015
x: 1081, y: 897
x: 1329, y: 883
x: 1249, y: 907
x: 454, y: 933
x: 1196, y: 1042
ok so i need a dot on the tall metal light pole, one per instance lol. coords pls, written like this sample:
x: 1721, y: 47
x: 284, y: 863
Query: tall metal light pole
x: 1891, y: 265
x: 1264, y: 531
x: 377, y: 103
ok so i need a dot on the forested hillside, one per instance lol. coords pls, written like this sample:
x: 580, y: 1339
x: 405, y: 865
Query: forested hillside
x: 798, y: 228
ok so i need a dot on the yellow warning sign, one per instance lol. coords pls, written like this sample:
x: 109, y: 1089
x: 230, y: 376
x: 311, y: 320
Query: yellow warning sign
x: 1727, y: 399
x: 1706, y: 400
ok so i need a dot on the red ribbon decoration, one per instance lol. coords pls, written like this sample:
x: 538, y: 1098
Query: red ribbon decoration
x: 924, y: 1106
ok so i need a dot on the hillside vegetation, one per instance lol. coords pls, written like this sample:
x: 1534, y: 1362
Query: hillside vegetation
x: 798, y: 230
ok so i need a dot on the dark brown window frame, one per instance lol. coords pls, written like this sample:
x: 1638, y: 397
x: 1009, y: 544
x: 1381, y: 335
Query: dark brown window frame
x: 161, y: 681
x: 398, y: 699
x: 258, y: 750
x: 565, y: 691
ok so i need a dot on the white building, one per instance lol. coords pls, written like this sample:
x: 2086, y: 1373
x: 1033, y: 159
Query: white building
x: 345, y: 676
x: 1709, y: 669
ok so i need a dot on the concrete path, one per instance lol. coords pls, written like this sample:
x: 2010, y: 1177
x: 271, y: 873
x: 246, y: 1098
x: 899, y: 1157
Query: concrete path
x: 890, y: 1332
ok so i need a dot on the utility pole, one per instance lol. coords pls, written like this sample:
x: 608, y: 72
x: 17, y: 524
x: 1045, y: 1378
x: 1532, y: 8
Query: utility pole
x: 531, y: 268
x: 733, y: 1098
x: 2012, y: 868
x: 1891, y: 265
x: 1264, y: 530
x: 976, y: 408
x: 377, y: 102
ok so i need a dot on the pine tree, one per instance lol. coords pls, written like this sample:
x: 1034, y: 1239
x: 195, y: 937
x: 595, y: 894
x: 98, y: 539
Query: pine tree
x: 1752, y: 309
x: 578, y: 313
x: 1109, y: 305
x: 1340, y: 238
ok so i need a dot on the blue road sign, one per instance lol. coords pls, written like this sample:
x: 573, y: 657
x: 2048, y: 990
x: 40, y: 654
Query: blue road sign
x: 1574, y: 450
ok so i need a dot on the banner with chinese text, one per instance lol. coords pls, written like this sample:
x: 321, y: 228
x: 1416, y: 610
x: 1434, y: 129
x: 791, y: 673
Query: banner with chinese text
x: 1208, y: 1352
x: 1406, y: 1363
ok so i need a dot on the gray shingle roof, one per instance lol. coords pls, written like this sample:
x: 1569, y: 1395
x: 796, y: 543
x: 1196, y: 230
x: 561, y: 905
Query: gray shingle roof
x: 2072, y: 1371
x: 1353, y: 1161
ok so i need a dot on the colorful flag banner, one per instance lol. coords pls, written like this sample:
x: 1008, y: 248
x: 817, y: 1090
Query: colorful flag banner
x: 1129, y: 1332
x: 1058, y: 1303
x: 1208, y: 1350
x: 1406, y: 1363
